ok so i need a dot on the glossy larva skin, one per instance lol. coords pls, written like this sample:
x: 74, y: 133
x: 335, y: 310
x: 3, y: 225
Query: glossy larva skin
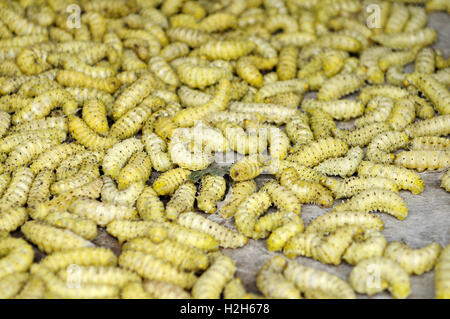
x: 441, y: 277
x: 246, y: 168
x: 40, y: 188
x: 417, y: 20
x: 239, y: 192
x: 321, y: 123
x: 116, y: 156
x: 316, y: 283
x: 88, y: 172
x: 342, y: 166
x: 52, y: 157
x: 340, y: 86
x: 84, y: 135
x: 305, y: 173
x: 169, y: 181
x: 244, y: 142
x: 34, y: 288
x: 150, y: 267
x: 282, y: 197
x: 360, y: 136
x: 272, y: 283
x: 414, y: 261
x: 157, y: 150
x: 83, y: 227
x: 248, y: 212
x: 138, y: 168
x: 181, y: 201
x: 287, y: 63
x: 94, y: 114
x: 423, y: 160
x: 354, y: 185
x: 424, y: 108
x: 211, y: 283
x: 317, y: 151
x: 149, y: 206
x: 391, y: 276
x: 226, y: 50
x: 16, y: 193
x: 17, y: 256
x: 338, y: 109
x: 225, y: 237
x: 387, y: 91
x: 101, y: 213
x: 298, y: 130
x: 126, y: 197
x: 370, y: 244
x: 50, y: 239
x: 407, y: 40
x: 380, y: 148
x: 125, y: 230
x: 163, y: 71
x: 165, y: 290
x: 436, y: 126
x: 402, y: 114
x: 435, y: 91
x: 212, y: 190
x: 430, y: 143
x: 425, y: 61
x: 11, y: 285
x: 376, y: 200
x: 445, y: 182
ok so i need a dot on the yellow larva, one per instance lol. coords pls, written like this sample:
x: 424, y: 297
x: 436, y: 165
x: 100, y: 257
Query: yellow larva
x: 272, y: 283
x: 99, y: 275
x: 298, y: 86
x: 101, y: 213
x: 381, y: 145
x: 17, y: 256
x: 318, y: 151
x: 435, y: 91
x: 125, y: 230
x: 212, y: 190
x: 235, y: 289
x: 72, y: 163
x: 156, y: 149
x: 226, y: 50
x: 170, y: 180
x: 369, y: 63
x: 40, y: 188
x: 81, y: 95
x: 414, y: 261
x: 298, y: 130
x: 181, y: 201
x: 34, y: 288
x: 316, y: 283
x: 360, y: 136
x: 425, y: 61
x: 135, y: 290
x: 441, y: 277
x: 436, y: 126
x: 342, y: 166
x: 163, y: 71
x: 445, y: 182
x: 192, y: 37
x: 16, y: 193
x: 248, y: 212
x: 354, y: 185
x: 79, y: 79
x: 430, y: 143
x: 239, y: 193
x: 151, y: 267
x: 211, y: 283
x: 272, y: 221
x: 133, y: 95
x: 125, y: 197
x: 304, y: 173
x: 321, y: 123
x: 287, y: 63
x: 10, y: 285
x: 402, y: 114
x: 219, y: 102
x: 178, y: 254
x: 407, y: 40
x: 376, y: 200
x: 302, y: 244
x: 138, y: 168
x: 340, y: 86
x: 87, y: 173
x: 86, y: 228
x: 49, y: 238
x: 200, y: 76
x: 387, y: 91
x: 118, y: 155
x: 417, y: 20
x: 339, y: 42
x: 278, y: 238
x: 54, y: 156
x: 165, y: 290
x: 247, y: 168
x: 397, y: 19
x: 225, y: 237
x: 58, y: 122
x: 241, y: 141
x: 84, y: 135
x: 339, y: 109
x: 149, y: 206
x: 423, y: 160
x: 371, y: 244
x: 424, y: 109
x: 282, y: 197
x: 373, y: 275
x: 94, y: 114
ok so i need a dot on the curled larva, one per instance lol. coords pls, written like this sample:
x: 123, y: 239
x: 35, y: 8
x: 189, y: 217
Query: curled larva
x: 305, y: 173
x: 375, y: 274
x: 181, y: 201
x: 407, y: 40
x: 279, y: 237
x: 174, y: 50
x: 101, y: 213
x: 384, y: 106
x: 430, y: 143
x: 16, y: 193
x: 441, y: 277
x: 49, y: 238
x: 238, y: 193
x: 150, y: 267
x: 314, y: 283
x: 435, y: 91
x: 342, y: 166
x: 84, y: 135
x: 298, y: 130
x: 272, y: 283
x: 248, y: 212
x: 370, y: 244
x: 321, y: 123
x: 219, y: 21
x: 402, y: 114
x: 85, y: 228
x: 138, y: 168
x: 17, y: 256
x: 278, y: 141
x: 125, y: 197
x: 212, y: 190
x: 445, y: 182
x: 354, y: 185
x: 282, y: 197
x: 339, y: 109
x: 88, y: 171
x: 380, y: 148
x: 156, y: 149
x: 339, y: 86
x: 149, y: 206
x: 163, y: 71
x: 376, y: 200
x: 170, y: 180
x: 176, y: 253
x: 116, y: 156
x: 200, y: 76
x: 423, y: 160
x: 318, y: 151
x: 225, y: 237
x: 414, y: 261
x: 247, y: 168
x: 298, y: 86
x: 273, y: 221
x: 360, y: 136
x: 424, y: 109
x: 436, y: 126
x: 211, y: 283
x: 188, y: 117
x: 369, y: 63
